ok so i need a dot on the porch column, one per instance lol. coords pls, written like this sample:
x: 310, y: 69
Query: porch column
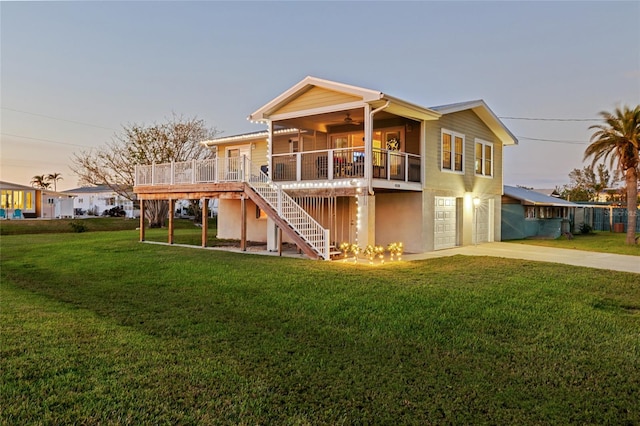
x: 272, y: 235
x: 368, y: 143
x: 243, y: 226
x: 142, y: 213
x: 172, y: 207
x: 205, y: 221
x: 366, y: 220
x: 269, y: 150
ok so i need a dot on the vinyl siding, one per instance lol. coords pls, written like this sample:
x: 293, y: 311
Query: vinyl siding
x: 259, y: 153
x: 470, y: 125
x: 316, y: 97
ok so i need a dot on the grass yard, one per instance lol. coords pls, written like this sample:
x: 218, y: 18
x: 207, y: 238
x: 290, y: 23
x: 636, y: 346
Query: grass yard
x: 97, y: 328
x: 604, y: 242
x: 46, y: 226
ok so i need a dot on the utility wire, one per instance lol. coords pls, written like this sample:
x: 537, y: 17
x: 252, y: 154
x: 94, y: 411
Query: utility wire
x: 549, y: 119
x: 554, y: 140
x: 43, y: 140
x: 59, y: 119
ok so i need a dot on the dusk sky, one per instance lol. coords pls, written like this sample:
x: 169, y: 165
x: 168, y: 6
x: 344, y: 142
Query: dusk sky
x: 72, y: 73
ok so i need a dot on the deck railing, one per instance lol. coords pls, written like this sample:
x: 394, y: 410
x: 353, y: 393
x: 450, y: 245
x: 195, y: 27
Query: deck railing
x: 345, y: 163
x: 332, y: 164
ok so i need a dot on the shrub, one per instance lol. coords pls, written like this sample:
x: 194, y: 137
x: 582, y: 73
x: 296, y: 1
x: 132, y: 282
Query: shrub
x: 77, y: 227
x: 585, y: 228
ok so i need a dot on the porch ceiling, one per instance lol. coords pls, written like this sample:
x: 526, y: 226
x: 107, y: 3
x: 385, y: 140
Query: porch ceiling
x: 322, y: 122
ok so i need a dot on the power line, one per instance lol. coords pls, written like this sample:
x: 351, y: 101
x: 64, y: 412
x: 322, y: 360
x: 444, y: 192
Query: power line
x: 59, y: 119
x: 554, y: 140
x: 549, y: 119
x: 13, y: 162
x: 43, y: 140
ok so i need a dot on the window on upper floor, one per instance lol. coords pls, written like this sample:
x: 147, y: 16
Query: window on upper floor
x: 452, y: 148
x: 484, y: 158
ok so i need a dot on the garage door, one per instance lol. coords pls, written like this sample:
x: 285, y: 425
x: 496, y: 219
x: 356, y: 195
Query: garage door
x: 482, y: 223
x: 445, y: 223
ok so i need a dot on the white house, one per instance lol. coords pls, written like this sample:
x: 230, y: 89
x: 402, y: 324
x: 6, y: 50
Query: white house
x: 25, y: 202
x: 95, y: 200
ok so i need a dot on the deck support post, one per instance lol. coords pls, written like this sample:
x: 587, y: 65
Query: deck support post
x: 243, y: 229
x: 205, y: 221
x: 142, y: 213
x: 172, y: 207
x: 279, y: 241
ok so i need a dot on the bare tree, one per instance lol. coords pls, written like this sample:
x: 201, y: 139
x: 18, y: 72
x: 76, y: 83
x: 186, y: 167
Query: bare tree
x: 178, y: 139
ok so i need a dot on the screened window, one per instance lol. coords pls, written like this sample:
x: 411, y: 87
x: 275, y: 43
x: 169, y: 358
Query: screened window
x: 452, y: 151
x: 484, y: 158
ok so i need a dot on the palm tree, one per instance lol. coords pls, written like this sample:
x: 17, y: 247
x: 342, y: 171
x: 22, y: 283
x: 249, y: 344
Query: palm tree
x: 40, y: 182
x: 619, y: 140
x: 54, y: 177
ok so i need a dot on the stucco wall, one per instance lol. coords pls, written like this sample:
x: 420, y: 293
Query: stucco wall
x: 399, y: 219
x: 230, y: 221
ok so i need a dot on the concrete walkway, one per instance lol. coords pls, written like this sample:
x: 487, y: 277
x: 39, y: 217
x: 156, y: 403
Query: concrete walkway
x: 614, y: 262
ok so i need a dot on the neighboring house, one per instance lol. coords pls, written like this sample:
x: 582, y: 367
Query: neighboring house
x: 528, y: 213
x: 547, y: 192
x: 340, y: 163
x: 95, y: 200
x: 182, y: 208
x: 20, y: 201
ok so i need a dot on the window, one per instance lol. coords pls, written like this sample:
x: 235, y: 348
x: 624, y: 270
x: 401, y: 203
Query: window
x: 452, y: 151
x: 540, y: 212
x: 11, y: 199
x: 530, y: 212
x: 484, y: 158
x: 294, y: 145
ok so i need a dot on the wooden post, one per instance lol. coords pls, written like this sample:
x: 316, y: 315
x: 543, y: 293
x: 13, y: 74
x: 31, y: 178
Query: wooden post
x: 243, y: 230
x: 172, y: 206
x: 610, y: 218
x: 279, y: 241
x: 142, y: 213
x: 205, y: 221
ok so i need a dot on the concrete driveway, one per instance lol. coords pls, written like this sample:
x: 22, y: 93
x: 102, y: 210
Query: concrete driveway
x: 614, y: 262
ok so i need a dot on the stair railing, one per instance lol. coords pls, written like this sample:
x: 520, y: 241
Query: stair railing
x: 298, y: 219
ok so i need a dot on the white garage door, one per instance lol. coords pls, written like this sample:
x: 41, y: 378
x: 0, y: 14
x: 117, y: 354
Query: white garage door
x: 445, y: 223
x: 482, y: 222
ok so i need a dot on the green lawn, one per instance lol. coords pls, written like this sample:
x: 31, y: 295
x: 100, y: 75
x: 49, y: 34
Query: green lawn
x: 97, y: 328
x: 605, y: 242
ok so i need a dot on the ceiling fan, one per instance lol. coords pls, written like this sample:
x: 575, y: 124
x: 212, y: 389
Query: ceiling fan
x: 349, y: 120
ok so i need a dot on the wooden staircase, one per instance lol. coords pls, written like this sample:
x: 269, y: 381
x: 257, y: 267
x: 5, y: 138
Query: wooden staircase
x: 288, y: 215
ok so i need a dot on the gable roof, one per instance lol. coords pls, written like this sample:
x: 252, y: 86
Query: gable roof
x: 483, y: 111
x: 533, y: 198
x: 359, y: 95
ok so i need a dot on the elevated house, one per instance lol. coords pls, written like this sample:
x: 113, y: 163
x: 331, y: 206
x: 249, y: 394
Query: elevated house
x: 339, y: 163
